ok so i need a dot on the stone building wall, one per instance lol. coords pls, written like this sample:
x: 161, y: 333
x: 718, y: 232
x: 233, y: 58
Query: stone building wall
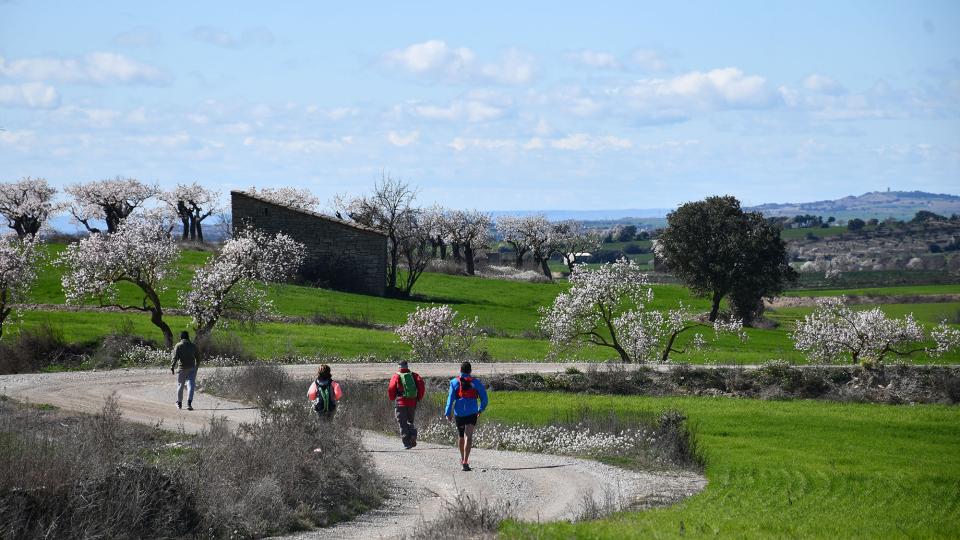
x: 340, y: 255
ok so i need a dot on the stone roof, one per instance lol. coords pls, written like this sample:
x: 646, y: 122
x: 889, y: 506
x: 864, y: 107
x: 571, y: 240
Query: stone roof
x: 311, y: 213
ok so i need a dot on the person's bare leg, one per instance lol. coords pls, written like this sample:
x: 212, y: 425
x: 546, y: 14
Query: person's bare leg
x: 468, y: 441
x: 460, y: 442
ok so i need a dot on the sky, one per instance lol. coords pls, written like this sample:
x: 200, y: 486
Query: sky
x: 490, y: 105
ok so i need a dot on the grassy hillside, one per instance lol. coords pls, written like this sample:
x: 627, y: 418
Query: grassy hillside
x: 793, y: 469
x: 507, y: 310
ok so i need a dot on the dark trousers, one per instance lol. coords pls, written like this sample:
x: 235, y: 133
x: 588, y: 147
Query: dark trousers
x: 408, y: 432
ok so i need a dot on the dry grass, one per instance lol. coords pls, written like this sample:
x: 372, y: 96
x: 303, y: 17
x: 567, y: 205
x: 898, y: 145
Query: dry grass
x: 79, y: 476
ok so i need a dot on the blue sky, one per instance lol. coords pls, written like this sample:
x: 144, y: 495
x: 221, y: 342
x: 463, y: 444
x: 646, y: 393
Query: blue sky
x: 493, y: 105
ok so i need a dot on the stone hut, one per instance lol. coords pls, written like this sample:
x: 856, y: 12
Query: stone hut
x: 340, y: 254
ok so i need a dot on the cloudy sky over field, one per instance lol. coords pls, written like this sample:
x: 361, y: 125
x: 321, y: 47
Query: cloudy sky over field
x: 495, y: 105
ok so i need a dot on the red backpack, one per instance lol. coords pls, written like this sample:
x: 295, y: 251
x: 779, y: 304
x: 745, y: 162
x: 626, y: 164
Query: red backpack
x: 466, y: 389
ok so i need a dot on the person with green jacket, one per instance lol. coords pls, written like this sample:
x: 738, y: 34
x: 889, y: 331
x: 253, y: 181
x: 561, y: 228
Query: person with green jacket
x: 185, y: 353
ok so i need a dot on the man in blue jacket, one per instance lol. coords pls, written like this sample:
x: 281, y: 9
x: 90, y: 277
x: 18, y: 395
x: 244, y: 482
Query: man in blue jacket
x: 462, y: 406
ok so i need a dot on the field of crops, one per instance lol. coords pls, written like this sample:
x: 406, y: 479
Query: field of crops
x: 798, y: 469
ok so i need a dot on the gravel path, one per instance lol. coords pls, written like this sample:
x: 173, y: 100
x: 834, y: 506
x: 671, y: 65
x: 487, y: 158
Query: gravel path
x: 539, y: 487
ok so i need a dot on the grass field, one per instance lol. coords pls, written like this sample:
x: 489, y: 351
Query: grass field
x: 784, y: 469
x: 507, y: 310
x: 905, y: 290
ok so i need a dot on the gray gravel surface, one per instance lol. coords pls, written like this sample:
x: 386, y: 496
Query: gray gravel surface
x: 539, y: 487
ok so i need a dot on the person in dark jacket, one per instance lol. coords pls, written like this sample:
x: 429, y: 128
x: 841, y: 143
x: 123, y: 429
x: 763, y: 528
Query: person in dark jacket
x: 185, y: 353
x: 407, y: 389
x: 462, y: 407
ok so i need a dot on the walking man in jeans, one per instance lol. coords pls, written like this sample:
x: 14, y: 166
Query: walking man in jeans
x: 185, y: 352
x: 462, y: 407
x: 407, y: 388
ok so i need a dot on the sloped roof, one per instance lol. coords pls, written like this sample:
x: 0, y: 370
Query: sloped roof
x: 311, y: 213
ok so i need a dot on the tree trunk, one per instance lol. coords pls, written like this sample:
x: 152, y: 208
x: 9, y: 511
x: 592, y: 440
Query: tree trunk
x: 193, y: 228
x: 545, y: 266
x: 156, y: 313
x: 186, y: 227
x: 457, y: 257
x: 468, y: 254
x: 199, y: 231
x: 624, y: 357
x: 443, y: 250
x: 4, y: 311
x: 715, y: 309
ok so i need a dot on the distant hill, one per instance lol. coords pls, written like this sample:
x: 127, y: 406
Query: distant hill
x: 589, y: 215
x: 878, y: 204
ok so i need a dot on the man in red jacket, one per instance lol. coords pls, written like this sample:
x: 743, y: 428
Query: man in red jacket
x: 407, y: 388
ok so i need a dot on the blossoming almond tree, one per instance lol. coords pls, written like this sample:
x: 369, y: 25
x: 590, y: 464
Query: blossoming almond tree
x: 27, y: 204
x: 300, y: 198
x: 192, y: 204
x: 609, y: 307
x: 140, y: 252
x: 434, y: 336
x: 528, y: 234
x: 18, y: 271
x: 834, y: 332
x: 228, y: 283
x: 469, y: 230
x: 111, y: 201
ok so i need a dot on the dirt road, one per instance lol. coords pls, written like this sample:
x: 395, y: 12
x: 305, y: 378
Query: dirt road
x: 539, y: 487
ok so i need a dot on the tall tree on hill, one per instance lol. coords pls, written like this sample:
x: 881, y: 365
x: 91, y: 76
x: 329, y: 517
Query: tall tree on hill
x: 111, y: 201
x: 717, y: 249
x: 27, y: 205
x: 387, y: 210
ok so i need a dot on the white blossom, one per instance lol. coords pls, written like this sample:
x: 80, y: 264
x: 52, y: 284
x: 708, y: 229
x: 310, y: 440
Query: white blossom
x: 111, y: 201
x: 140, y: 252
x: 609, y: 307
x: 27, y: 204
x: 527, y: 234
x: 18, y: 270
x: 192, y: 203
x: 287, y: 196
x: 434, y: 335
x: 834, y: 332
x: 231, y: 282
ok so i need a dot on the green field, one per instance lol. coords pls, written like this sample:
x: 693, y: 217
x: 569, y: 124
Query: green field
x: 507, y: 310
x: 783, y: 469
x: 905, y: 290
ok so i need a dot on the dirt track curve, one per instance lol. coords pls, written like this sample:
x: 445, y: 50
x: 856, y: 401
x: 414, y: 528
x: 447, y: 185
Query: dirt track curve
x: 540, y: 487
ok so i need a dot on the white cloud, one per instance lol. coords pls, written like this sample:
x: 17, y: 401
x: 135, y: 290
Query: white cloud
x: 174, y: 140
x: 222, y: 38
x: 297, y: 146
x: 823, y: 84
x: 399, y: 139
x: 718, y: 88
x: 437, y: 60
x: 594, y: 59
x: 94, y: 68
x: 93, y: 117
x: 21, y: 140
x: 583, y: 141
x: 647, y: 60
x: 29, y: 95
x: 470, y: 110
x: 575, y: 142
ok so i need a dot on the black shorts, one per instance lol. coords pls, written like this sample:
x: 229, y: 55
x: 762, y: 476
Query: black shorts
x: 463, y: 421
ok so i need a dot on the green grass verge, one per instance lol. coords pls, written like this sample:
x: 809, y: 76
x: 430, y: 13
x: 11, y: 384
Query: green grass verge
x: 905, y: 290
x: 792, y: 469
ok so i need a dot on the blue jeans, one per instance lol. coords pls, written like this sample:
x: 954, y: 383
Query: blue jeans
x: 188, y: 376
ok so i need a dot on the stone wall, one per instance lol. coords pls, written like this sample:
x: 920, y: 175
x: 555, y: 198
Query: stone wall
x: 340, y: 255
